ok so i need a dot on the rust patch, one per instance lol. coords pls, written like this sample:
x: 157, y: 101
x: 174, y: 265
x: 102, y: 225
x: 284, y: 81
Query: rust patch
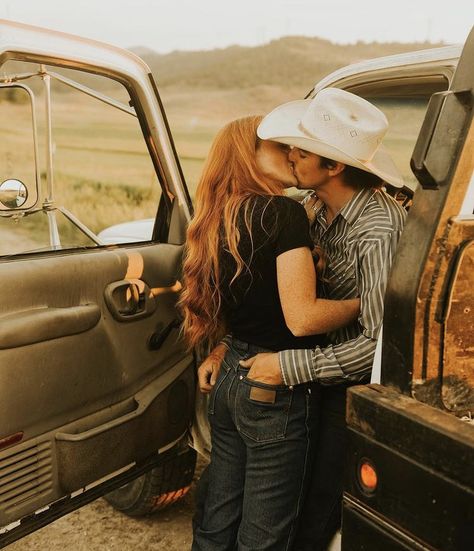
x: 458, y: 353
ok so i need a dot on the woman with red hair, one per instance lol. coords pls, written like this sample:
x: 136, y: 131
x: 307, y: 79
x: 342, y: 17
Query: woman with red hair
x: 247, y: 247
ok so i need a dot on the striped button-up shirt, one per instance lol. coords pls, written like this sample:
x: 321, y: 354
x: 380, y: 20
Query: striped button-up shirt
x: 358, y: 247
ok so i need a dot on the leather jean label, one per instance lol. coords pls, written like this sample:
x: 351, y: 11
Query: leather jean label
x: 262, y: 395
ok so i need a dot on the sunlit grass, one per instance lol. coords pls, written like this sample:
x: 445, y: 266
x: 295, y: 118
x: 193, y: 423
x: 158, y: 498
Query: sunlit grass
x: 102, y: 169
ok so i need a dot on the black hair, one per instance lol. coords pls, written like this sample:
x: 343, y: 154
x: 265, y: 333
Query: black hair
x: 355, y: 176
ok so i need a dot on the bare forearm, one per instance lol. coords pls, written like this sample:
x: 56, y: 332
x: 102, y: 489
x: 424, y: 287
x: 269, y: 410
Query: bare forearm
x: 322, y: 315
x: 305, y: 314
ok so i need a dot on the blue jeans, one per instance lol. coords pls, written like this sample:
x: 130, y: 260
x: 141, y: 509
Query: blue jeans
x: 321, y: 513
x: 259, y: 460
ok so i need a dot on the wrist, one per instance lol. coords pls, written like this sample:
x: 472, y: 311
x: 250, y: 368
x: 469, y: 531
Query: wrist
x: 219, y: 352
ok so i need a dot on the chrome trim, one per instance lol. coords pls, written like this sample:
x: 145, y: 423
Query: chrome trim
x: 15, y: 78
x: 435, y: 61
x: 97, y: 95
x: 80, y: 225
x: 383, y: 523
x: 49, y: 135
x: 29, y: 91
x: 54, y: 239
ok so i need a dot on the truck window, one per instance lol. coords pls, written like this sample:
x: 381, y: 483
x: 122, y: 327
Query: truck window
x: 405, y: 116
x: 100, y: 174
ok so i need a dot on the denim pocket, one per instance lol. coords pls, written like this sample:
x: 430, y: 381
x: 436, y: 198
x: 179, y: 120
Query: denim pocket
x: 262, y: 410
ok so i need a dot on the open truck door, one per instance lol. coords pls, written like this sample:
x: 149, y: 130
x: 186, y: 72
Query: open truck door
x: 96, y: 385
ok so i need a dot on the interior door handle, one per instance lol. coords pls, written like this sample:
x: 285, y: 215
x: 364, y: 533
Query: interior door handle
x: 133, y: 300
x: 129, y: 299
x: 157, y: 339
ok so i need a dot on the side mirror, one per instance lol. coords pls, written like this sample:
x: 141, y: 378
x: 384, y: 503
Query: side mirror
x: 13, y: 194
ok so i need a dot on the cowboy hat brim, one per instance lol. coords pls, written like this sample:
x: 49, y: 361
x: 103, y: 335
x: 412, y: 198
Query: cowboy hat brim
x: 282, y: 125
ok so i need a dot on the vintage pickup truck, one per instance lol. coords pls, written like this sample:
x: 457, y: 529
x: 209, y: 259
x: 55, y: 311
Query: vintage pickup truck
x: 97, y: 387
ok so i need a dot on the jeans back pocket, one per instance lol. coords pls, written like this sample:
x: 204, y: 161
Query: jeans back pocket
x: 262, y: 411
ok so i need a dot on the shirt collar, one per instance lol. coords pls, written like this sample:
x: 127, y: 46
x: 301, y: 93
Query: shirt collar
x: 320, y: 213
x: 356, y: 206
x: 351, y: 210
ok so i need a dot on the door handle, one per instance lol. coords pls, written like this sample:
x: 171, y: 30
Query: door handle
x: 133, y: 300
x: 129, y: 299
x: 157, y: 339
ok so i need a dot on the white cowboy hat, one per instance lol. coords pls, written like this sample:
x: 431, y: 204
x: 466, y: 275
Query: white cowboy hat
x: 338, y: 125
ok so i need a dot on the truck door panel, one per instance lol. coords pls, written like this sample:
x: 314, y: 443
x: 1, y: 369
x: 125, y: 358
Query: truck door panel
x: 86, y: 392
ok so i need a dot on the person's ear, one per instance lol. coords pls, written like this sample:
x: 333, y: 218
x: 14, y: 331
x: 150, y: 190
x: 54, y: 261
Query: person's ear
x: 336, y: 168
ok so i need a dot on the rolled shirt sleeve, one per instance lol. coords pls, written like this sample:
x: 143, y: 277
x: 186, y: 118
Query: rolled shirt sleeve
x: 350, y: 361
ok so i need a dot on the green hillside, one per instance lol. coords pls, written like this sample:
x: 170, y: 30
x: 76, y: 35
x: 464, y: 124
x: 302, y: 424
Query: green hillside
x: 234, y: 81
x: 290, y: 60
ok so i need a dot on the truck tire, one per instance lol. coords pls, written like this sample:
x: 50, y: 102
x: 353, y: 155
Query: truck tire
x: 158, y: 488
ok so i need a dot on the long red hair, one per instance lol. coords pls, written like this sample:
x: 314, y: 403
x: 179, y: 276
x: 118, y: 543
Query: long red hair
x: 230, y: 176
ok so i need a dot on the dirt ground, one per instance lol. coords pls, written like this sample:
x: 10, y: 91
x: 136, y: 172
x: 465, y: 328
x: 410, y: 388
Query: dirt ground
x: 99, y: 527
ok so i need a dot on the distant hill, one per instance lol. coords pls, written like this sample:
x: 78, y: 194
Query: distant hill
x: 293, y: 62
x: 202, y: 90
x: 290, y: 61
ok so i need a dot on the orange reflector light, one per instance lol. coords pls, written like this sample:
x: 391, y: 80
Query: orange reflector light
x: 367, y: 476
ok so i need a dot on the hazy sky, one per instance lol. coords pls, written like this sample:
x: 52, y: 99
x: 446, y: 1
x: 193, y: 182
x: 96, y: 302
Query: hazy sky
x: 166, y: 25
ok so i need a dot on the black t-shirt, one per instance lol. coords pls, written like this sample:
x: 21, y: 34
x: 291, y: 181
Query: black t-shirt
x: 251, y: 303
